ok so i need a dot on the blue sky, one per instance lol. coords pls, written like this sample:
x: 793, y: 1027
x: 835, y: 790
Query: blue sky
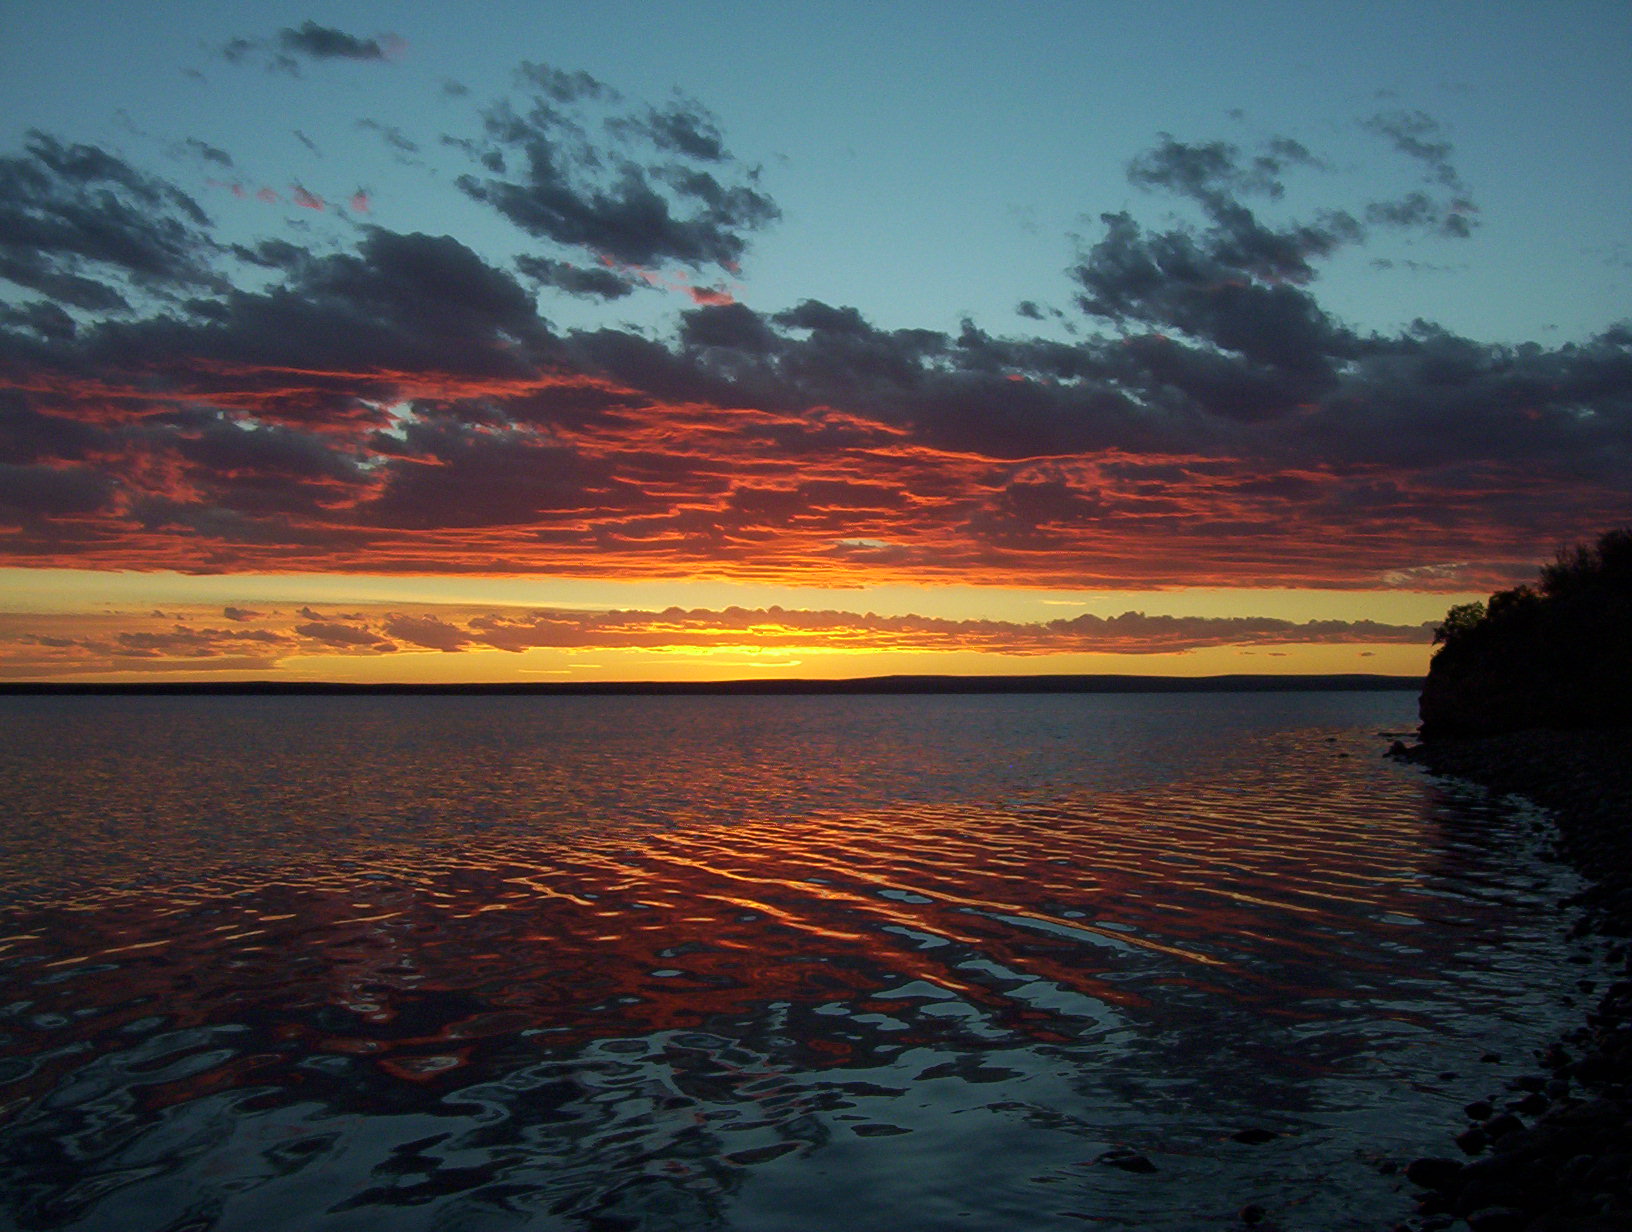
x: 1301, y: 312
x: 937, y: 160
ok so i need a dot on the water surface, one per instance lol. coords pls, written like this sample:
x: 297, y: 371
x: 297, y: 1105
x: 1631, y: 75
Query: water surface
x: 753, y: 963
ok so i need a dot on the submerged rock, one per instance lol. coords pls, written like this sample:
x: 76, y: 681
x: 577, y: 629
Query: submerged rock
x: 1126, y: 1159
x: 1558, y: 1158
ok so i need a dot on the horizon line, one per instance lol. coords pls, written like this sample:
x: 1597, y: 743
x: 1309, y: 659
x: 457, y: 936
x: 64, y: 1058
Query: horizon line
x: 1311, y: 682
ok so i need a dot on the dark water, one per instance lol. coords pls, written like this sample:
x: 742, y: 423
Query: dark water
x: 769, y: 963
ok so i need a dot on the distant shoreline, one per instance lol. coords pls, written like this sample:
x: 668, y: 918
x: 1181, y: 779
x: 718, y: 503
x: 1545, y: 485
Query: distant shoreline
x: 1351, y: 683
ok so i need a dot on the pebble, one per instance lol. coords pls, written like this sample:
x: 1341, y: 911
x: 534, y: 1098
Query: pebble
x: 1559, y: 1157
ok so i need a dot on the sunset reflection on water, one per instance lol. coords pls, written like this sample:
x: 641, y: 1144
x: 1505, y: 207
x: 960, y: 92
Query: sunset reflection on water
x: 946, y: 1000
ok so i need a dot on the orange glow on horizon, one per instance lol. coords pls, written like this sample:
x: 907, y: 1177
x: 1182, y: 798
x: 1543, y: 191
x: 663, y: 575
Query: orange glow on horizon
x: 449, y: 642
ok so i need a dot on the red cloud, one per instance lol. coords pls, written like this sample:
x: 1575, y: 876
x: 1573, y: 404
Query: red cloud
x: 315, y: 468
x: 305, y: 199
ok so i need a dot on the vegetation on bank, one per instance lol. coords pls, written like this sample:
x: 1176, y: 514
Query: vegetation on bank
x: 1555, y: 654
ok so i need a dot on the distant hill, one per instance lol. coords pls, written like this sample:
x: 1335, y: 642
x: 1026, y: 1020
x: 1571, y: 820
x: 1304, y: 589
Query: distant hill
x: 1557, y: 654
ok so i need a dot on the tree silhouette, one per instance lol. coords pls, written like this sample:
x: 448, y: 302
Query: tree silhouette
x: 1557, y: 654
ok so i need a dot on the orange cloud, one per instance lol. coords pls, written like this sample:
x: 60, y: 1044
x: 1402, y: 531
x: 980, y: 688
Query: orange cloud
x: 196, y: 638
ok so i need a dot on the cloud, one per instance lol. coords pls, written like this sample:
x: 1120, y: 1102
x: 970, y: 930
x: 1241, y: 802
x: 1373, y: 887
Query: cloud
x: 208, y: 153
x: 396, y: 402
x: 342, y: 636
x: 51, y: 491
x: 1419, y: 136
x: 112, y: 641
x: 597, y: 282
x: 686, y: 127
x: 328, y: 43
x: 427, y: 631
x: 391, y: 135
x: 89, y: 231
x: 647, y: 191
x: 312, y: 42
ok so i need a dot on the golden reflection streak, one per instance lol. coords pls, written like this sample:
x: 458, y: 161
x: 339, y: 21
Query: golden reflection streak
x: 869, y: 906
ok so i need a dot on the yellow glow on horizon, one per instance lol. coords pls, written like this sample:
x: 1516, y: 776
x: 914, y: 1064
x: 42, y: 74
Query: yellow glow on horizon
x: 748, y: 662
x: 143, y: 624
x: 72, y: 590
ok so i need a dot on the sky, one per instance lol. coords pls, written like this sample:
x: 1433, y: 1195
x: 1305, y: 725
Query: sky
x: 564, y: 342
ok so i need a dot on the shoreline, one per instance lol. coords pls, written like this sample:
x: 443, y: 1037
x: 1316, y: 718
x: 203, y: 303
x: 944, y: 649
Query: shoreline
x: 1554, y: 1153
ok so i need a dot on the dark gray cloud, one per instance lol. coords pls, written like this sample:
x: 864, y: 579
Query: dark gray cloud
x: 328, y: 43
x: 1418, y: 135
x: 29, y: 492
x: 271, y: 451
x: 457, y: 477
x: 562, y: 86
x: 399, y: 304
x: 594, y: 281
x: 285, y: 51
x: 208, y: 153
x: 640, y: 187
x: 1449, y: 208
x: 685, y: 127
x: 28, y: 436
x: 1214, y: 172
x: 391, y: 135
x: 86, y: 229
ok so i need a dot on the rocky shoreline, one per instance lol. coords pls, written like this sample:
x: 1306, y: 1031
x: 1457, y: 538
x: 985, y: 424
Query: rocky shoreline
x: 1555, y: 1153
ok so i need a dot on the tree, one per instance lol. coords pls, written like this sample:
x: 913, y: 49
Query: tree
x: 1458, y: 621
x: 1557, y: 654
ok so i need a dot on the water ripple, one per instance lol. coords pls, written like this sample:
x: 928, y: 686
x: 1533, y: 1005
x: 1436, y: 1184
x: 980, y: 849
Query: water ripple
x: 944, y: 1000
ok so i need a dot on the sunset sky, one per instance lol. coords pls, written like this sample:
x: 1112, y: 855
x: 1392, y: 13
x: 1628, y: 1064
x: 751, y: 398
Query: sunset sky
x: 559, y: 341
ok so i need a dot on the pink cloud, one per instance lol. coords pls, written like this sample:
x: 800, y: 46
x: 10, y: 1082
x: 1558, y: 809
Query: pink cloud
x: 305, y: 199
x: 711, y: 296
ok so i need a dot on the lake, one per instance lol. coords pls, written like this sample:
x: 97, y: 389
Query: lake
x: 759, y: 963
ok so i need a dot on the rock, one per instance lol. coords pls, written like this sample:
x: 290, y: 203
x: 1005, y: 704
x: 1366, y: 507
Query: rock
x: 1434, y: 1172
x: 1498, y: 1219
x: 1255, y: 1137
x: 1473, y: 1140
x: 1127, y: 1160
x: 1570, y: 1169
x: 1533, y: 1104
